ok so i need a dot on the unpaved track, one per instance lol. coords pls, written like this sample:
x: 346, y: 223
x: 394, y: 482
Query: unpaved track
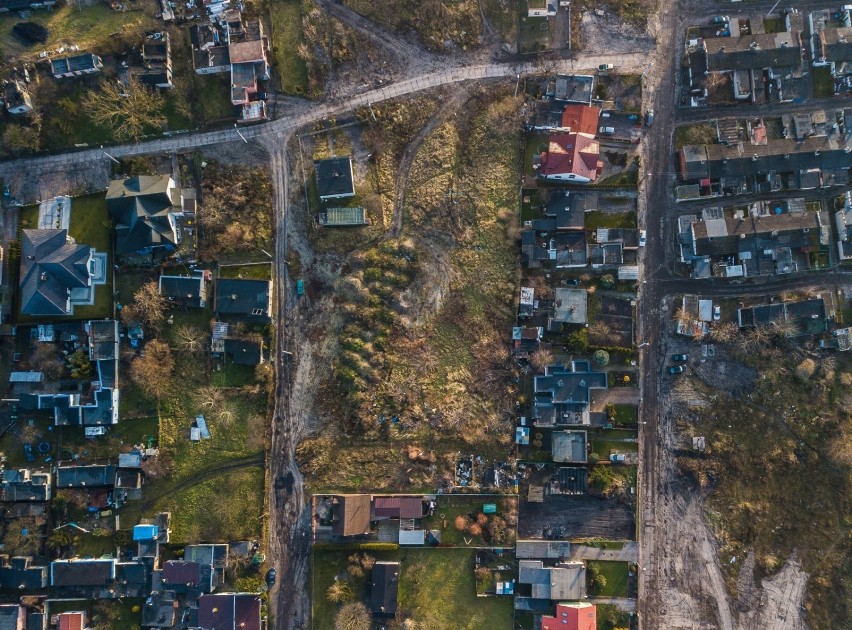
x: 404, y: 169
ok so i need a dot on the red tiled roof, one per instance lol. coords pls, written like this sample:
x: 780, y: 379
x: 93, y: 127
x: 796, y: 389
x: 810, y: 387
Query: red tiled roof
x: 571, y: 617
x: 581, y: 118
x: 71, y: 621
x: 577, y: 153
x: 398, y: 507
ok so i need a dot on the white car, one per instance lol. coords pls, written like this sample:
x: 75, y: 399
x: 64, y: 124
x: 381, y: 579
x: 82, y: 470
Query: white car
x: 717, y: 313
x: 643, y: 236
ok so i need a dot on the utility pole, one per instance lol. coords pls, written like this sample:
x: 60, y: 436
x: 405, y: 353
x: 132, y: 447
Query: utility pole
x: 239, y: 134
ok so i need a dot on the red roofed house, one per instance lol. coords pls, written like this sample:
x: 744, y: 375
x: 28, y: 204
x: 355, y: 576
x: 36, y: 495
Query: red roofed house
x: 71, y: 621
x: 397, y: 507
x: 571, y: 157
x: 577, y: 616
x: 581, y: 118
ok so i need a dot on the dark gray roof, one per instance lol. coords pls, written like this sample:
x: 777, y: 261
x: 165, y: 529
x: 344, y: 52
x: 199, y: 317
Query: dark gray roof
x: 51, y: 265
x: 568, y: 208
x: 82, y: 572
x: 334, y: 177
x: 103, y: 339
x: 243, y: 351
x: 84, y: 476
x: 753, y: 52
x: 77, y: 63
x: 384, y: 589
x: 184, y: 290
x: 20, y: 572
x: 140, y: 208
x: 9, y: 615
x: 247, y: 299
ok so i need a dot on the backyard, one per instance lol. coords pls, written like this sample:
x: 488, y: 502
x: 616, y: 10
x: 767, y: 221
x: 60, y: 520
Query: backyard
x: 823, y: 82
x: 286, y: 35
x: 437, y: 588
x: 614, y: 582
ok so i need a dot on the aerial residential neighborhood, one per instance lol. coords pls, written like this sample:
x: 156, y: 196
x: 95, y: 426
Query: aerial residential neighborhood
x: 506, y: 314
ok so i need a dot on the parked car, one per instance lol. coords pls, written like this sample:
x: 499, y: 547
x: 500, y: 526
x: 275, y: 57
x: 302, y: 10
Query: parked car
x: 643, y: 237
x: 649, y: 117
x: 606, y: 66
x: 270, y: 577
x: 607, y: 131
x: 28, y: 453
x: 676, y: 369
x: 717, y: 313
x: 680, y: 358
x: 720, y: 19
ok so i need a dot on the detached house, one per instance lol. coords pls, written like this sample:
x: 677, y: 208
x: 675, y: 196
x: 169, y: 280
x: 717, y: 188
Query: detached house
x: 571, y: 157
x: 145, y: 210
x: 334, y: 178
x: 16, y: 97
x: 561, y: 395
x: 244, y: 300
x: 156, y: 56
x: 572, y: 616
x: 57, y: 273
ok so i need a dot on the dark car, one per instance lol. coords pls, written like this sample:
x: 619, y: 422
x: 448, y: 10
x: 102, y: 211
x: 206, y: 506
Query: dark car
x: 28, y: 453
x: 270, y: 577
x: 680, y: 358
x: 676, y: 369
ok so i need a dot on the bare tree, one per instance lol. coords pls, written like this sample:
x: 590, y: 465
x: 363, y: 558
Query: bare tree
x: 46, y: 359
x: 338, y: 592
x: 599, y: 331
x: 128, y: 110
x: 150, y: 306
x: 190, y: 338
x: 353, y: 616
x: 540, y: 359
x: 724, y: 332
x: 152, y: 371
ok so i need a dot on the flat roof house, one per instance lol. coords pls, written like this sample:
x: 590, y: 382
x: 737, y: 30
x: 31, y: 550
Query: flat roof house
x: 244, y: 300
x: 18, y: 5
x: 564, y: 581
x: 144, y: 209
x: 20, y: 573
x: 70, y: 573
x: 24, y: 485
x: 156, y: 70
x: 570, y: 306
x: 229, y: 611
x: 334, y: 178
x: 56, y: 273
x: 85, y: 476
x: 13, y: 617
x: 75, y: 66
x: 384, y: 589
x: 243, y: 351
x: 569, y: 447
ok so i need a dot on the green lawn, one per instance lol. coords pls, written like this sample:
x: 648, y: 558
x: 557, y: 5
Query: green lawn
x: 610, y: 617
x: 535, y: 143
x: 628, y: 178
x: 262, y: 271
x: 286, y: 17
x: 625, y: 414
x: 436, y: 588
x: 233, y: 375
x: 616, y: 578
x: 89, y: 225
x: 597, y: 219
x: 534, y: 33
x: 605, y: 447
x: 774, y: 24
x: 450, y: 507
x: 823, y: 82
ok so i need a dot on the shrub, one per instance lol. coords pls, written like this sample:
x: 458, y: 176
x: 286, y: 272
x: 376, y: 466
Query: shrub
x: 601, y: 357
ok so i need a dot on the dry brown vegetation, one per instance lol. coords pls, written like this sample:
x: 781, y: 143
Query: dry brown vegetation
x: 777, y: 469
x: 423, y: 356
x: 441, y: 24
x: 236, y: 214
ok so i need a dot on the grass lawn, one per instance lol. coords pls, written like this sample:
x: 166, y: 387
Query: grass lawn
x: 470, y: 507
x: 92, y: 546
x: 530, y: 209
x: 823, y: 82
x: 597, y: 219
x: 610, y: 617
x: 628, y: 178
x: 89, y: 225
x: 535, y: 143
x: 616, y: 578
x: 625, y: 414
x: 286, y: 17
x: 774, y: 24
x: 436, y: 588
x: 225, y: 507
x: 86, y: 27
x: 233, y: 375
x: 605, y: 447
x: 701, y: 133
x: 121, y: 614
x: 261, y: 271
x: 534, y: 34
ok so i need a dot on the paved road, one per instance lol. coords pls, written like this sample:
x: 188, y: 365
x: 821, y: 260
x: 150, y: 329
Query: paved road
x: 307, y: 113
